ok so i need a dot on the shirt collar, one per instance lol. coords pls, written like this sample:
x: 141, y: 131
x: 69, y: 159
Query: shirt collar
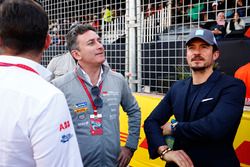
x: 42, y: 71
x: 88, y: 78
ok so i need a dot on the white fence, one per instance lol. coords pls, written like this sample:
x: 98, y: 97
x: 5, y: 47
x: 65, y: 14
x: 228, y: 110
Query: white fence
x: 150, y: 48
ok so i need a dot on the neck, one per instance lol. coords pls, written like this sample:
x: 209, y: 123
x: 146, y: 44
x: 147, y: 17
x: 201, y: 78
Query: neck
x: 93, y: 73
x: 32, y: 55
x: 200, y: 77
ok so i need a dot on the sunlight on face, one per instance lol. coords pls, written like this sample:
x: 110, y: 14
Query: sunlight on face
x: 200, y: 55
x: 91, y: 50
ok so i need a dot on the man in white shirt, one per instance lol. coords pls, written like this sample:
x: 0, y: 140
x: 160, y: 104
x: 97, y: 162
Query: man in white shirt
x: 35, y: 123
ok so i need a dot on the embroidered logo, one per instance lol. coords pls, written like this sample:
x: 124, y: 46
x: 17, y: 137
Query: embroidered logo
x: 80, y: 107
x: 65, y: 138
x: 64, y: 125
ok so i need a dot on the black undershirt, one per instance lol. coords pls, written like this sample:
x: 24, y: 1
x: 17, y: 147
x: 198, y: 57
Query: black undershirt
x: 193, y: 92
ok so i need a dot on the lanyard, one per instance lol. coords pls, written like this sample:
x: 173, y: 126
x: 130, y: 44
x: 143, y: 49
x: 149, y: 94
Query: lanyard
x: 19, y: 66
x: 88, y: 93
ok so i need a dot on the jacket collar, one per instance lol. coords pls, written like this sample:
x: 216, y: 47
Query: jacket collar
x: 83, y: 76
x: 205, y: 89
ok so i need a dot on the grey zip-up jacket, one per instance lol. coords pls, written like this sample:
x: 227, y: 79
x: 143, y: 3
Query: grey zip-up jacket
x: 101, y: 150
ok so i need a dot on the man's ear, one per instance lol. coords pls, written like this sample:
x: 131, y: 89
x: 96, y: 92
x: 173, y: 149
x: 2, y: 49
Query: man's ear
x: 75, y: 54
x: 47, y: 41
x: 216, y: 55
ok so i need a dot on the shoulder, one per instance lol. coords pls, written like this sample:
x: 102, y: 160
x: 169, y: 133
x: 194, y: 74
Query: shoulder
x: 181, y: 83
x: 64, y: 80
x: 60, y: 57
x: 41, y: 89
x: 229, y: 81
x: 115, y: 77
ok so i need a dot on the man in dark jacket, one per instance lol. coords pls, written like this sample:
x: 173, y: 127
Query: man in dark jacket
x: 207, y: 107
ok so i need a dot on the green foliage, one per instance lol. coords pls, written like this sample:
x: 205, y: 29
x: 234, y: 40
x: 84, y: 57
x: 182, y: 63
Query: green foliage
x: 183, y: 72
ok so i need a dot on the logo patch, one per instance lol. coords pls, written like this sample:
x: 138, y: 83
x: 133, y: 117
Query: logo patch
x: 80, y: 107
x: 66, y: 138
x: 199, y: 32
x: 81, y: 116
x: 64, y: 125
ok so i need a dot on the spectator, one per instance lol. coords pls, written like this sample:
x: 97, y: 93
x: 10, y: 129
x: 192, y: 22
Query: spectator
x: 243, y: 73
x: 150, y: 10
x: 179, y: 12
x: 206, y: 23
x: 219, y: 27
x: 160, y: 6
x: 55, y: 39
x: 207, y: 107
x: 229, y: 8
x: 97, y: 120
x: 35, y: 124
x: 194, y: 11
x: 236, y: 26
x: 221, y: 5
x: 213, y: 12
x: 65, y: 27
x: 95, y: 23
x: 241, y: 8
x: 107, y: 14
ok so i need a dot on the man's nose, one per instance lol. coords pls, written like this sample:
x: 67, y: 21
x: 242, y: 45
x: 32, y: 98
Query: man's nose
x: 196, y: 51
x: 100, y: 45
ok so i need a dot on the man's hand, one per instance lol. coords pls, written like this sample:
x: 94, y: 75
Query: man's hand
x: 124, y: 157
x: 179, y: 157
x: 166, y: 129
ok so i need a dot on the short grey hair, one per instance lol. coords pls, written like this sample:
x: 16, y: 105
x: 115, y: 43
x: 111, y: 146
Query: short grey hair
x: 75, y: 30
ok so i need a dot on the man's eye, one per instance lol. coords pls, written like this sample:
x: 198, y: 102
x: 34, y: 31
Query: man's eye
x: 204, y: 46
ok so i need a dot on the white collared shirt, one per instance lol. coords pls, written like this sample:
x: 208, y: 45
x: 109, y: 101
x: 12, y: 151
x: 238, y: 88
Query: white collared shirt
x: 35, y: 122
x: 88, y: 78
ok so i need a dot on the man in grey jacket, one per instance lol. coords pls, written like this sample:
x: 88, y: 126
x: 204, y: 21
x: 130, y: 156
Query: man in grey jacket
x: 94, y: 93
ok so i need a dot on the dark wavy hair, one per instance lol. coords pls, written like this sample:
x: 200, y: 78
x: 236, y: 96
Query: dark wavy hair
x: 23, y: 25
x: 231, y: 26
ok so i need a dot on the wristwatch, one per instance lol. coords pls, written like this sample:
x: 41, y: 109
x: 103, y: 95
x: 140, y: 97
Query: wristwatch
x: 174, y: 123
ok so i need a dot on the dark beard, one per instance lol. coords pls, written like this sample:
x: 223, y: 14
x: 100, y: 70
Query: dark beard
x: 199, y: 69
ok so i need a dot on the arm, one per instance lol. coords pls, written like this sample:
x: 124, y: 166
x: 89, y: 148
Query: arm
x: 156, y: 142
x: 222, y: 122
x: 228, y: 28
x: 130, y: 106
x: 241, y: 24
x: 152, y: 125
x: 53, y: 137
x: 52, y: 67
x: 178, y: 157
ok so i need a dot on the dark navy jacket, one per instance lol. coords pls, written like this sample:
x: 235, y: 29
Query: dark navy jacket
x: 208, y: 133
